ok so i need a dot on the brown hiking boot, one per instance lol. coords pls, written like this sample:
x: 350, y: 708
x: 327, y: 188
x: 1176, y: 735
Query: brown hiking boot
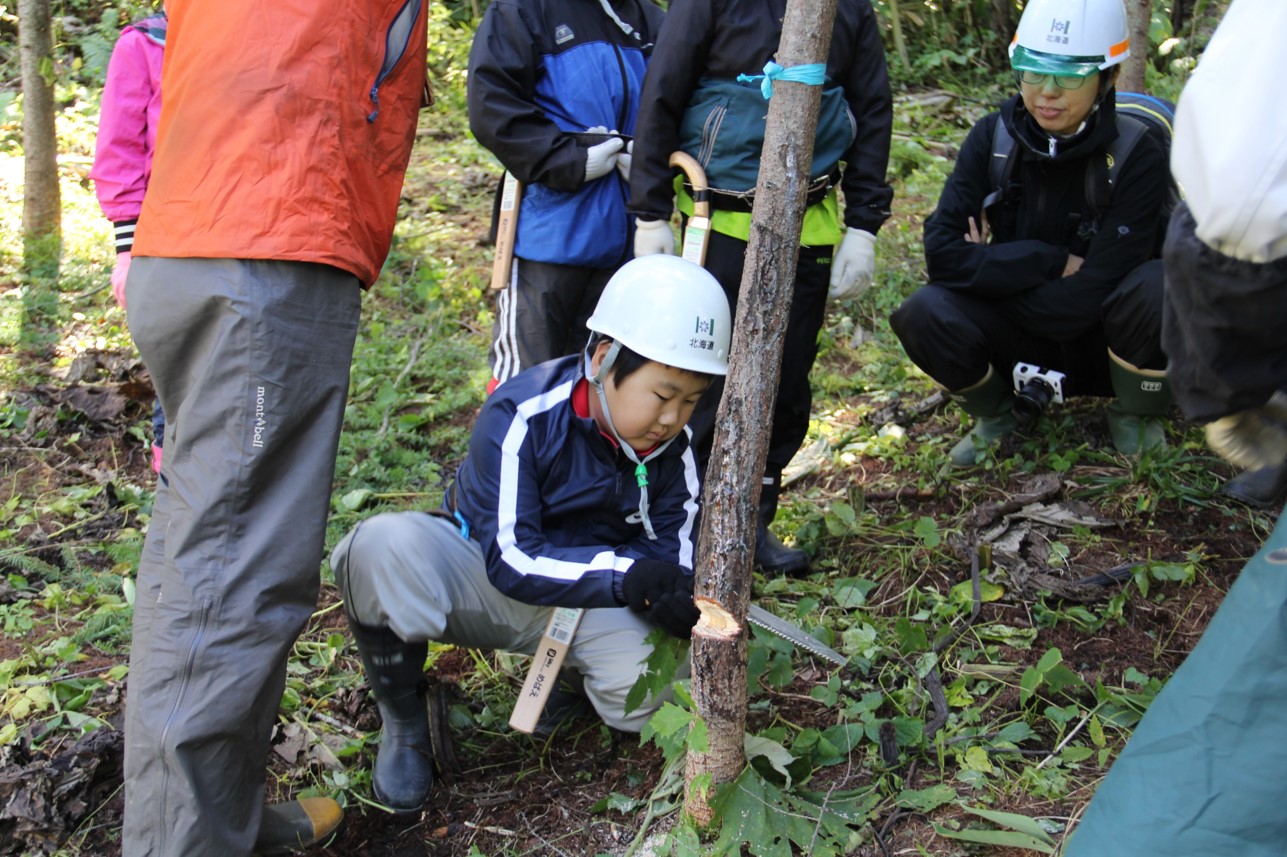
x: 296, y: 825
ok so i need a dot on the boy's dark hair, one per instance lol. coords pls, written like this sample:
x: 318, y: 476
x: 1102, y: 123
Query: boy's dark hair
x: 630, y: 361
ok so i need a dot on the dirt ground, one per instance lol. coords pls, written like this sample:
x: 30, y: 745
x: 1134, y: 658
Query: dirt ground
x: 512, y: 795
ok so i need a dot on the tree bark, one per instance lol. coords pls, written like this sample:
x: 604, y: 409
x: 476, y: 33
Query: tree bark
x: 1138, y: 13
x: 41, y: 206
x: 896, y: 26
x: 1002, y: 19
x: 740, y: 445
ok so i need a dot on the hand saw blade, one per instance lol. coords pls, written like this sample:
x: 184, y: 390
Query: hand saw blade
x: 793, y: 634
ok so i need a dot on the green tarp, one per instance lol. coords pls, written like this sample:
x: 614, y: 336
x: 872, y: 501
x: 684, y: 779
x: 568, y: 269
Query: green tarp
x: 1205, y: 774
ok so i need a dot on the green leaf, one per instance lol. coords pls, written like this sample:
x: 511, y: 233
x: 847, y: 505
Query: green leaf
x: 1060, y: 677
x: 617, y: 802
x: 1049, y: 659
x: 1028, y: 684
x: 771, y: 751
x: 698, y: 740
x: 1006, y: 838
x: 1014, y: 821
x: 1096, y: 729
x: 354, y: 500
x: 963, y: 592
x: 911, y: 638
x: 976, y: 759
x: 926, y: 529
x: 852, y: 593
x: 1015, y: 733
x: 924, y: 800
x: 1076, y: 753
x: 844, y: 512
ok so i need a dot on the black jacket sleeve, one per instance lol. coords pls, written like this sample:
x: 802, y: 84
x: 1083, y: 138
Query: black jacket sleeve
x: 678, y: 62
x: 504, y: 60
x: 986, y: 270
x: 1070, y: 307
x: 868, y: 194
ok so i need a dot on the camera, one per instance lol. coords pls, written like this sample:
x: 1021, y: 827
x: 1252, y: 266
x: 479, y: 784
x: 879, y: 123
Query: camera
x: 1034, y: 389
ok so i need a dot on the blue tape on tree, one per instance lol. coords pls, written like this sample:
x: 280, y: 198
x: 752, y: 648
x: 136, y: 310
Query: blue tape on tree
x: 814, y: 74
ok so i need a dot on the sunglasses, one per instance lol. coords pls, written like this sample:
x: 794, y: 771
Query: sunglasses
x: 1063, y: 81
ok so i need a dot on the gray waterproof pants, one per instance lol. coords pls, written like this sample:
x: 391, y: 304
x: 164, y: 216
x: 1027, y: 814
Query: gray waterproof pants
x: 251, y: 363
x: 416, y: 574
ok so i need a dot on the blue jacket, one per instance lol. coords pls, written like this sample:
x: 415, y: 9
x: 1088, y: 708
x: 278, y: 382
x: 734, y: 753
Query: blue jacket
x: 540, y: 71
x: 555, y: 504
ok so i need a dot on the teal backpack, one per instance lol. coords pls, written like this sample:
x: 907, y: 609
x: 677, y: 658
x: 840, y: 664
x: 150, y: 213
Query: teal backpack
x: 723, y: 128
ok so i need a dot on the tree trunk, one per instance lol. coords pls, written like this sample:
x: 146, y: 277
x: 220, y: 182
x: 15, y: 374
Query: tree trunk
x: 741, y: 440
x: 1002, y: 19
x: 41, y: 206
x: 1138, y: 13
x: 896, y: 24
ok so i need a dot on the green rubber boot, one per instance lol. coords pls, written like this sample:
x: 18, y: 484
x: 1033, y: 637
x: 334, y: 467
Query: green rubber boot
x: 989, y: 402
x: 1143, y: 399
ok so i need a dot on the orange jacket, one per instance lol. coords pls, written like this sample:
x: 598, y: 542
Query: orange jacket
x: 285, y: 131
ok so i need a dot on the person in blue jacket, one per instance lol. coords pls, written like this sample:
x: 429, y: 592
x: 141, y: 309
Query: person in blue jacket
x: 553, y: 92
x: 579, y: 490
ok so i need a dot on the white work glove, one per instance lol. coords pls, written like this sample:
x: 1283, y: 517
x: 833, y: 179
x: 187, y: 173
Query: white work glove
x: 600, y: 159
x: 653, y: 237
x: 624, y: 159
x: 853, y: 265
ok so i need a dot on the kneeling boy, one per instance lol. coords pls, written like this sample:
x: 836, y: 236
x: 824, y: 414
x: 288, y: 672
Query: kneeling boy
x: 579, y: 490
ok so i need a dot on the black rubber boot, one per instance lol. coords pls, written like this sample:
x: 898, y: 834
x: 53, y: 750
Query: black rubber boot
x: 773, y: 557
x: 1262, y: 488
x: 404, y: 766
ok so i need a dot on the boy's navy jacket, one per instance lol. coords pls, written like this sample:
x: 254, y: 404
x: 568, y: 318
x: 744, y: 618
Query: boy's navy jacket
x: 1030, y: 245
x: 539, y: 71
x: 554, y: 503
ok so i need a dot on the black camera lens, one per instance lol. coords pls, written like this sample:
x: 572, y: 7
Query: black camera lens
x: 1032, y: 399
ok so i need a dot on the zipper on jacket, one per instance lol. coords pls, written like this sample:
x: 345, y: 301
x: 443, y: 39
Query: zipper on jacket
x: 396, y: 40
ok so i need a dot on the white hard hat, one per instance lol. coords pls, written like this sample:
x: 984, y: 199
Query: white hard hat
x: 1070, y: 37
x: 667, y: 309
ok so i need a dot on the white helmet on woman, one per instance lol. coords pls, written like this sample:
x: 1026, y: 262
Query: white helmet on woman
x: 1070, y: 37
x: 667, y: 309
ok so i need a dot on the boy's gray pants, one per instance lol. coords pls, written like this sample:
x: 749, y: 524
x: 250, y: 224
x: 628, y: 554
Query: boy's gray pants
x: 251, y: 362
x: 416, y: 574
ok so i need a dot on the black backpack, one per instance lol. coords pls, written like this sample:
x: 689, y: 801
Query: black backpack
x: 1137, y: 115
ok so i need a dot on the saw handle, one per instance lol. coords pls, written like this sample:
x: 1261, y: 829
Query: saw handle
x: 696, y: 176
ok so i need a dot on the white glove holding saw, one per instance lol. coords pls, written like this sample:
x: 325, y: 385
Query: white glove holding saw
x: 853, y: 266
x: 652, y: 237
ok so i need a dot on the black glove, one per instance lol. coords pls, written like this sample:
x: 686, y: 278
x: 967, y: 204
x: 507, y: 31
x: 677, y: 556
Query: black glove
x: 663, y: 593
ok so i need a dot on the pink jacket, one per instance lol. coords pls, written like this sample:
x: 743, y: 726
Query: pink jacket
x: 131, y: 111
